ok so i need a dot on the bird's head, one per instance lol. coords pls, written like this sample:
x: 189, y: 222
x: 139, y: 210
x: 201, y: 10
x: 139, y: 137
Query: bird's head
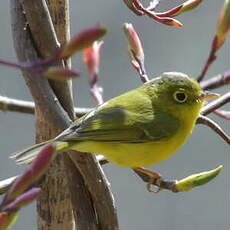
x: 178, y: 93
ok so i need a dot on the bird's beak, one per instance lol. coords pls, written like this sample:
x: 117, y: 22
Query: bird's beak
x: 207, y: 94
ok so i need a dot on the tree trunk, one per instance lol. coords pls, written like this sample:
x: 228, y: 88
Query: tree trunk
x: 90, y: 196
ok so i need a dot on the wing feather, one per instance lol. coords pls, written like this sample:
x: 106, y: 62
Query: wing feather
x: 119, y: 121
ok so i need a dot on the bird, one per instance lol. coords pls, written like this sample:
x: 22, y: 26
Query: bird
x: 139, y: 128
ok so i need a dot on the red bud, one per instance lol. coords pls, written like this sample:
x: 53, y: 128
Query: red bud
x: 154, y: 15
x: 223, y: 24
x: 23, y: 200
x: 186, y: 6
x: 58, y: 73
x: 91, y: 58
x: 134, y: 42
x: 7, y: 219
x: 82, y: 41
x: 37, y: 169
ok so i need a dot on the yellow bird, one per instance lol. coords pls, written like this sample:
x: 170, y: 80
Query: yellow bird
x: 141, y: 127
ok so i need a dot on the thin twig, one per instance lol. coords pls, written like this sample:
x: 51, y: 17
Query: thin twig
x: 212, y: 106
x: 222, y: 113
x: 15, y: 105
x: 216, y: 81
x: 215, y: 127
x: 210, y: 60
x: 21, y: 106
x: 140, y: 67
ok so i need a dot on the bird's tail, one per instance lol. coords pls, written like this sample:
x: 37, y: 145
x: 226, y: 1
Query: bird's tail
x: 26, y: 156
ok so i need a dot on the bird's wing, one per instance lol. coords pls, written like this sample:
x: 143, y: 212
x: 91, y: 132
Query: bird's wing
x: 107, y: 125
x: 122, y: 124
x: 163, y: 126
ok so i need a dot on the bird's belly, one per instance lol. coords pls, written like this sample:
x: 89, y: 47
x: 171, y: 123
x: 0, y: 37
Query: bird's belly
x: 133, y: 154
x: 140, y: 154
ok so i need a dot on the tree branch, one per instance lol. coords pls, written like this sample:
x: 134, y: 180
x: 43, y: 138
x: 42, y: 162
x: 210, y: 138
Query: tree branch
x: 219, y: 102
x: 44, y: 97
x: 105, y: 217
x: 216, y: 81
x: 38, y: 17
x: 215, y: 127
x: 21, y: 106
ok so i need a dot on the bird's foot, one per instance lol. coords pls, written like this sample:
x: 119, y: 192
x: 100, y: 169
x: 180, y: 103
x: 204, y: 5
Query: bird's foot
x: 154, y: 179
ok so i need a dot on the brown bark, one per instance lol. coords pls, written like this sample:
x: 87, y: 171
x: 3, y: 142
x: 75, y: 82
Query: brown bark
x: 54, y: 208
x: 92, y: 203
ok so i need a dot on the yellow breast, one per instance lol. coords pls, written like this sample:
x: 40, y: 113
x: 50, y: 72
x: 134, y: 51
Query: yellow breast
x: 142, y: 154
x: 135, y: 154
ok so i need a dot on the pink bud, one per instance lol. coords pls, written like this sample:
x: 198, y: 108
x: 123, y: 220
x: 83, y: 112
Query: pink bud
x: 167, y: 21
x: 186, y: 6
x: 134, y: 42
x: 23, y: 200
x: 223, y: 24
x: 58, y: 73
x: 42, y: 162
x: 36, y: 170
x: 136, y: 53
x: 170, y: 13
x: 7, y: 219
x: 3, y: 218
x: 82, y: 41
x: 91, y: 58
x: 223, y: 113
x: 154, y: 15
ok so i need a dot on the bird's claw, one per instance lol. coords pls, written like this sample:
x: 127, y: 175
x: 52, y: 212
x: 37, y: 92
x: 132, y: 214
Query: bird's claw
x: 154, y: 183
x: 152, y: 178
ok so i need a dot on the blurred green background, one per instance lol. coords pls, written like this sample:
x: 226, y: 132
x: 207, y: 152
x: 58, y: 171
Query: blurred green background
x: 166, y: 49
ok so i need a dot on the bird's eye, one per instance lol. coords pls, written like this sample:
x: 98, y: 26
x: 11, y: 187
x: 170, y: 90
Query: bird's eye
x: 180, y: 96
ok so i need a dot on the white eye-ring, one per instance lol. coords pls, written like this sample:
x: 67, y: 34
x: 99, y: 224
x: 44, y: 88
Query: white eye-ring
x: 180, y: 96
